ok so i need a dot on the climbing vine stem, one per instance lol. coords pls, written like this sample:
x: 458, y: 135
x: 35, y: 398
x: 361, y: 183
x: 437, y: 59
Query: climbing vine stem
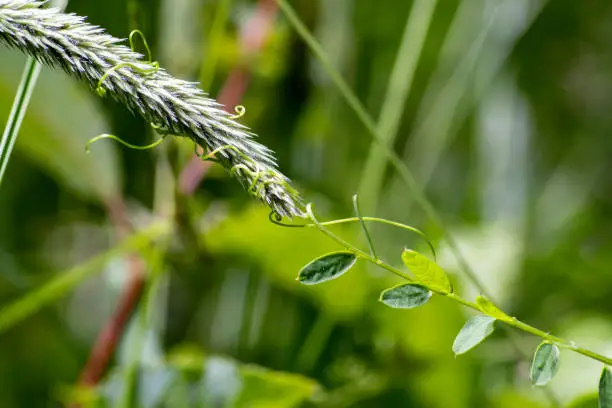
x: 362, y: 255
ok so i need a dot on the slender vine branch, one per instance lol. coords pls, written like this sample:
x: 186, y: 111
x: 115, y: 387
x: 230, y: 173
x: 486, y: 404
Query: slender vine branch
x: 510, y: 321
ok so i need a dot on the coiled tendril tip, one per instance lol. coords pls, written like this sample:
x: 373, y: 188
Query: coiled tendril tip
x: 154, y: 65
x: 276, y: 219
x: 102, y: 92
x: 240, y: 111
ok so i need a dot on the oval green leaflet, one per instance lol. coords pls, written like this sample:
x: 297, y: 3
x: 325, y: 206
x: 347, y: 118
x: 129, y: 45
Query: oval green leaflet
x: 488, y: 308
x: 473, y: 332
x: 545, y: 363
x: 427, y: 271
x: 605, y: 388
x: 326, y: 267
x: 405, y: 296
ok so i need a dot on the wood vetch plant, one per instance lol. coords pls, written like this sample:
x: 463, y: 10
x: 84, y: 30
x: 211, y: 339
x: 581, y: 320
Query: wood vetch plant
x: 424, y: 279
x: 177, y: 107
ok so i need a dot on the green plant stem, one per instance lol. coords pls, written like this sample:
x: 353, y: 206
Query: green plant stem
x: 512, y: 321
x: 398, y: 89
x: 370, y: 219
x: 364, y: 227
x: 66, y: 281
x: 383, y: 221
x: 360, y: 254
x: 20, y: 105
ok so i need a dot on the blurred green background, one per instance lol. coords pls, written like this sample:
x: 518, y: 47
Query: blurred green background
x: 506, y: 124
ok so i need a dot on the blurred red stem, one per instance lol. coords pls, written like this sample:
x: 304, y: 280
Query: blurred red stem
x: 109, y: 337
x: 111, y: 333
x: 253, y: 37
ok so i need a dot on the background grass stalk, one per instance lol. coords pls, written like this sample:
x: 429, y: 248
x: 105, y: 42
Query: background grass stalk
x: 398, y: 90
x: 66, y: 281
x: 213, y: 44
x: 20, y: 105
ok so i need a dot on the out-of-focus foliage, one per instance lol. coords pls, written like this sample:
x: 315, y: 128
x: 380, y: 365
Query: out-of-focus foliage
x: 506, y: 127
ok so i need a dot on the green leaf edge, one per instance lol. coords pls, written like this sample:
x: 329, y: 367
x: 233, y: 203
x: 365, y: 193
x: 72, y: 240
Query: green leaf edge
x: 380, y: 298
x: 349, y: 266
x: 606, y: 374
x: 492, y: 323
x: 446, y: 289
x: 556, y: 367
x: 489, y: 308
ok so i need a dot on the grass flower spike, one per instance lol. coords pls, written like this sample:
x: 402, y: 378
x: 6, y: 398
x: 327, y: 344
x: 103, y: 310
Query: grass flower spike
x: 177, y: 107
